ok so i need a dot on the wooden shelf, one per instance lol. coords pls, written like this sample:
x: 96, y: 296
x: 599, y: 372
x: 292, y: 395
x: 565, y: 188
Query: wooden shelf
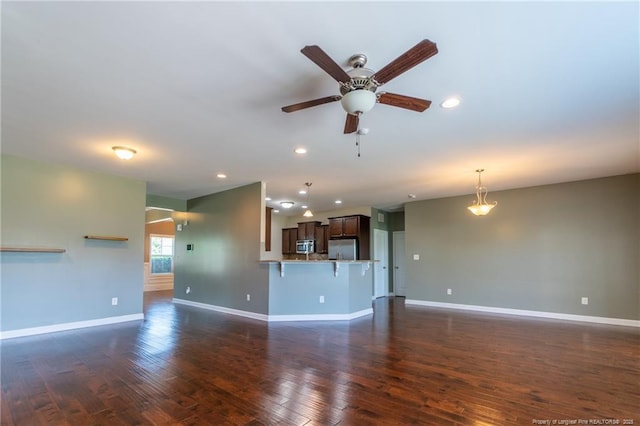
x: 107, y: 238
x: 33, y: 250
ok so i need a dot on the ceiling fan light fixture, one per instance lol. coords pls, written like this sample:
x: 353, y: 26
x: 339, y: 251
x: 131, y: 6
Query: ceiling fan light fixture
x: 286, y: 204
x: 358, y: 101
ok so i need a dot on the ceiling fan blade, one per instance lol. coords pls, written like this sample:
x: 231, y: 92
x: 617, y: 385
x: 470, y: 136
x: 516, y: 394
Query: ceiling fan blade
x: 402, y: 101
x: 409, y: 59
x: 321, y: 59
x: 351, y: 125
x: 309, y: 104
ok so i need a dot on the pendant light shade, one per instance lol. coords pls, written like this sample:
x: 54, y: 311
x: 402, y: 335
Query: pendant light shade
x: 308, y: 212
x: 480, y: 206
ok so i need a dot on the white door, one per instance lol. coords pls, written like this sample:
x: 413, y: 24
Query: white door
x: 399, y: 264
x: 381, y: 266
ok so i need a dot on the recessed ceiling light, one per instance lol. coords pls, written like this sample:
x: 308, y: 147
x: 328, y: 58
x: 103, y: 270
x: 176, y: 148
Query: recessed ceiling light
x: 300, y: 150
x: 304, y: 207
x: 221, y: 176
x: 412, y: 196
x: 267, y: 199
x: 276, y: 211
x: 338, y: 201
x: 302, y: 192
x: 123, y: 152
x: 450, y: 102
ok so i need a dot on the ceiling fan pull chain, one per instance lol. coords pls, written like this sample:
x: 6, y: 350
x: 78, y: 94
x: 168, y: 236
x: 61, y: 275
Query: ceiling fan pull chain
x: 358, y: 142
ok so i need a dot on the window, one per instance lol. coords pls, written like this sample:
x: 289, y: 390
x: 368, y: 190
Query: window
x: 161, y: 254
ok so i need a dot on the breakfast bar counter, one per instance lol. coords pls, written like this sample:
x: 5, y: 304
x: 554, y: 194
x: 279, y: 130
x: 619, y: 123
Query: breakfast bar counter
x: 319, y: 289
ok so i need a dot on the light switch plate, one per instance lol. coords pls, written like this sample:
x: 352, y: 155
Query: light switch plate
x: 416, y: 257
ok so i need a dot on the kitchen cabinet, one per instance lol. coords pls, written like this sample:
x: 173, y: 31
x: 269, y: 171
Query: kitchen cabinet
x: 354, y: 226
x: 289, y: 238
x: 307, y: 230
x: 322, y: 238
x: 348, y: 226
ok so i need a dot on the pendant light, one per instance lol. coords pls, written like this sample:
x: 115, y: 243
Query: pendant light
x: 480, y: 206
x: 308, y: 212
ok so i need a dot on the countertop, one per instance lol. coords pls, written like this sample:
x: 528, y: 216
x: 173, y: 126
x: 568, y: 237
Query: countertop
x: 316, y: 261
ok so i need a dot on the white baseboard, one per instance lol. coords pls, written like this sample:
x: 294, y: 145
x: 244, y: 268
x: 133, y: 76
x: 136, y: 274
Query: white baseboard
x: 276, y: 318
x: 68, y: 326
x: 246, y: 314
x: 522, y: 312
x: 321, y: 317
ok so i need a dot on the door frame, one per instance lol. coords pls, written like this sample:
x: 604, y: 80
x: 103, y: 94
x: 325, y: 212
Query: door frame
x: 399, y: 261
x: 380, y: 268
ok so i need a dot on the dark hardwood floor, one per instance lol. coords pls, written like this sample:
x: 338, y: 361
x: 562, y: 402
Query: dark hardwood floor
x: 403, y: 365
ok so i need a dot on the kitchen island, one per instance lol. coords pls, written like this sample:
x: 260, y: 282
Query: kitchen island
x: 306, y: 290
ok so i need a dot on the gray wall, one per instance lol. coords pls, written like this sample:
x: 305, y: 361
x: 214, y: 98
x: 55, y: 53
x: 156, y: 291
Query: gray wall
x: 224, y: 265
x: 48, y: 205
x: 541, y: 248
x: 299, y: 291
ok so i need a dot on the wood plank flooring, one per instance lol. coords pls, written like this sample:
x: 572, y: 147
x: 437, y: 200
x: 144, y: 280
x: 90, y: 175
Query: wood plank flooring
x: 403, y: 365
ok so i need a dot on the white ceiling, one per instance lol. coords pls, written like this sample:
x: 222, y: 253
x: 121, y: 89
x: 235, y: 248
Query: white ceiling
x: 550, y: 93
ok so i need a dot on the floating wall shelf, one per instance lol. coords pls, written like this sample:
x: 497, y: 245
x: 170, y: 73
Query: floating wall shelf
x: 102, y: 237
x: 33, y: 250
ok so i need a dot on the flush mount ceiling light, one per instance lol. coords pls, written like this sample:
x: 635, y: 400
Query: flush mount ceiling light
x: 123, y: 152
x: 287, y: 204
x: 221, y: 176
x: 300, y: 150
x: 480, y: 206
x: 308, y: 212
x: 451, y: 102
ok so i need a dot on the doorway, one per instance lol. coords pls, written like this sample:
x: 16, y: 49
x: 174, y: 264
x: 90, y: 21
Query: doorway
x: 158, y: 255
x: 380, y: 268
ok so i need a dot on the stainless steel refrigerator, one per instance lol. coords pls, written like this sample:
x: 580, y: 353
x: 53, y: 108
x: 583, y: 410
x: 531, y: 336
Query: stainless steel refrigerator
x: 343, y: 249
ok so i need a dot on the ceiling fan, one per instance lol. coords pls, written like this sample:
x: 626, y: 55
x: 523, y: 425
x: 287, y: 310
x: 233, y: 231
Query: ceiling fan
x: 358, y: 85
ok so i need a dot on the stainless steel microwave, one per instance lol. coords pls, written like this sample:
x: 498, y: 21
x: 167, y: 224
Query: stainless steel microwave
x: 305, y: 246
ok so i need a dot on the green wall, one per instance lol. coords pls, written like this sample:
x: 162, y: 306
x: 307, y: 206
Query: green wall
x: 540, y: 249
x: 224, y: 266
x: 45, y: 205
x: 166, y: 202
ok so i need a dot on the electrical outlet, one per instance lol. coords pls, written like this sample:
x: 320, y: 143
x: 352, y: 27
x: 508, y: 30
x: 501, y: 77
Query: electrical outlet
x: 188, y: 290
x: 449, y: 291
x: 248, y: 297
x: 585, y: 300
x: 321, y: 299
x: 114, y: 301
